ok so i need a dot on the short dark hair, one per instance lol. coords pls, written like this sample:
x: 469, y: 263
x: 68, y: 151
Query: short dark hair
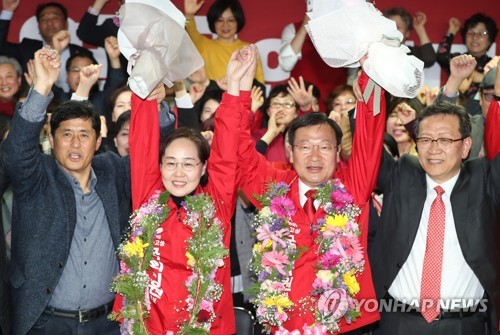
x: 215, y: 94
x: 277, y: 91
x: 42, y: 6
x: 401, y: 12
x: 445, y: 108
x: 122, y: 120
x: 489, y: 23
x: 73, y: 109
x: 313, y: 119
x: 337, y: 91
x: 218, y: 7
x: 82, y: 54
x: 194, y: 136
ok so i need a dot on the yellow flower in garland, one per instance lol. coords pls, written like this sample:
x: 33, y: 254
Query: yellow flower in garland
x: 135, y: 249
x: 335, y: 221
x: 351, y: 282
x: 191, y: 261
x: 280, y: 301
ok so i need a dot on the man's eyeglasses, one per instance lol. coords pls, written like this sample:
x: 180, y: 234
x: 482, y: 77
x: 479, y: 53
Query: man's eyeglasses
x: 443, y: 143
x: 478, y: 34
x: 75, y: 69
x: 171, y: 165
x: 307, y: 148
x: 284, y: 105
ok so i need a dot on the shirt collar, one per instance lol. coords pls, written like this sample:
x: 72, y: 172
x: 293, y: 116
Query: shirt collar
x: 447, y: 185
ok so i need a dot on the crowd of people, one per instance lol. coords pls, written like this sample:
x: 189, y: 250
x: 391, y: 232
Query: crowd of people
x: 305, y: 204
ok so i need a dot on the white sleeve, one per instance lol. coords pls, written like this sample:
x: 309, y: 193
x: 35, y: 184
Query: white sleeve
x: 287, y: 57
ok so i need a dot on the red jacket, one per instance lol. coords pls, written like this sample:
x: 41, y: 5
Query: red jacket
x: 359, y: 177
x: 168, y: 298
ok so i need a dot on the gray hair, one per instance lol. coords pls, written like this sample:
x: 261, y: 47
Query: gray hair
x: 13, y: 62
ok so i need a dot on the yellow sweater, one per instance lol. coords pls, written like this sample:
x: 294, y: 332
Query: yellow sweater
x: 216, y: 53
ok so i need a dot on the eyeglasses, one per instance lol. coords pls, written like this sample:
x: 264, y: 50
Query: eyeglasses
x: 307, y: 148
x: 478, y: 34
x: 75, y: 69
x: 348, y: 102
x: 229, y: 20
x: 171, y: 165
x: 443, y: 143
x: 278, y: 105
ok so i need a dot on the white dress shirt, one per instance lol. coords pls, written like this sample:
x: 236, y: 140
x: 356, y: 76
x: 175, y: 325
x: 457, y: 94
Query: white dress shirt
x: 459, y: 284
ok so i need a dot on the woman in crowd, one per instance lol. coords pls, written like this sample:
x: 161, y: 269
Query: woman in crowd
x: 225, y: 19
x: 478, y: 33
x: 200, y: 186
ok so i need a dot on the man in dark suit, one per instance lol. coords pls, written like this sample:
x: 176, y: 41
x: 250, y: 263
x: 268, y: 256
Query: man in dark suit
x: 436, y: 254
x: 52, y: 18
x: 69, y: 213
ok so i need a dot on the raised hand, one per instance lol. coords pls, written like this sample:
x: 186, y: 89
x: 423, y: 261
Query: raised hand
x: 238, y: 65
x: 98, y: 4
x: 10, y: 5
x: 419, y: 20
x: 30, y: 75
x: 405, y: 113
x: 257, y: 98
x: 113, y: 51
x: 191, y: 7
x: 299, y: 93
x: 47, y: 64
x: 462, y: 66
x: 453, y: 25
x: 158, y: 94
x: 248, y: 77
x: 196, y: 91
x: 88, y: 77
x: 61, y: 40
x: 492, y: 64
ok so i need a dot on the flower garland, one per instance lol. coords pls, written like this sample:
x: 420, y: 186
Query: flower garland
x: 205, y: 253
x: 339, y: 252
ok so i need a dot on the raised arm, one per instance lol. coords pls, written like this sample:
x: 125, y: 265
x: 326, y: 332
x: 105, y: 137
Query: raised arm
x: 22, y: 155
x: 361, y: 173
x: 223, y: 162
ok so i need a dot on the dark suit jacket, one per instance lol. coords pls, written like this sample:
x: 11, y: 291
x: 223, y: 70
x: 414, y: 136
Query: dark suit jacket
x: 475, y: 200
x: 44, y: 214
x: 25, y: 50
x: 5, y: 302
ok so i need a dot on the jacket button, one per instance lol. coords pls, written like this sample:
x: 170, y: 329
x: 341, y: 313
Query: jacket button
x: 60, y: 264
x: 399, y: 265
x: 49, y: 290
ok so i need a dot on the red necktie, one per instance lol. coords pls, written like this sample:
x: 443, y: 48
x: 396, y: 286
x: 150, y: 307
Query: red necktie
x: 433, y: 259
x: 309, y: 205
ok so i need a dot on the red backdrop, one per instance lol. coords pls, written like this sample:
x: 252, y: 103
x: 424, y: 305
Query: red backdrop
x: 266, y: 19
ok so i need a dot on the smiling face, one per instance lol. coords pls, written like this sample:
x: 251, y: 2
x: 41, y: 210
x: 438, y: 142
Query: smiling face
x: 284, y: 107
x: 226, y: 26
x: 344, y: 103
x: 178, y: 181
x: 316, y: 167
x: 441, y: 164
x: 476, y: 41
x: 396, y: 129
x: 10, y: 82
x: 74, y: 145
x: 122, y: 104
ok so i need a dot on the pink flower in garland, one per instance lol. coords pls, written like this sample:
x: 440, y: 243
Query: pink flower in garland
x: 352, y: 248
x: 340, y: 198
x: 329, y: 260
x: 275, y: 259
x: 283, y: 207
